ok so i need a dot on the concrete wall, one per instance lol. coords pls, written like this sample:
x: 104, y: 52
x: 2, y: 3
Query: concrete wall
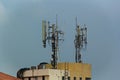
x: 49, y: 74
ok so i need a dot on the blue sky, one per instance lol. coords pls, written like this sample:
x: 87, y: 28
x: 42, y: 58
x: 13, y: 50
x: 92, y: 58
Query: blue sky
x: 20, y: 33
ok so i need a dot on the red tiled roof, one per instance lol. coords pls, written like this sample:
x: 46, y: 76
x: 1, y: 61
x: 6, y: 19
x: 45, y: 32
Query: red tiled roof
x: 4, y: 76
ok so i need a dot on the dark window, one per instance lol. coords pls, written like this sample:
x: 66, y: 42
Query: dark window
x: 36, y: 78
x: 63, y: 78
x: 87, y: 78
x: 80, y: 78
x: 43, y: 77
x: 74, y: 78
x: 29, y: 78
x: 68, y: 78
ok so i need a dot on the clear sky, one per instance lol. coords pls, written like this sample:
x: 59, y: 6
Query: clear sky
x: 20, y: 33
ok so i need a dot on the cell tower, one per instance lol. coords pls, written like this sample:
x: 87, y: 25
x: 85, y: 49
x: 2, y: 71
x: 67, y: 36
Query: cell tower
x: 53, y: 36
x: 80, y: 41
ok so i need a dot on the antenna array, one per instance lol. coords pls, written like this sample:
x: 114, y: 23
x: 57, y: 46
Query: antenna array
x: 53, y: 36
x: 80, y: 41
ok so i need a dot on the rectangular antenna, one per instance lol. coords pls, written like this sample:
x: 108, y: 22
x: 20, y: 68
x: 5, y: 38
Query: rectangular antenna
x: 56, y: 22
x: 44, y: 26
x: 76, y: 22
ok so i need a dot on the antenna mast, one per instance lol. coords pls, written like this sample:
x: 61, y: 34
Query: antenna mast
x: 53, y: 37
x: 80, y: 41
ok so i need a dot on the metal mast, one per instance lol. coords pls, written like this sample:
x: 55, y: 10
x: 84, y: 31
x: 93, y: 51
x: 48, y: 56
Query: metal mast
x: 80, y: 41
x: 53, y: 36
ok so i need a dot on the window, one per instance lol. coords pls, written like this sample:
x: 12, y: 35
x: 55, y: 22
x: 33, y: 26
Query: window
x: 68, y: 78
x: 35, y: 78
x: 43, y: 77
x: 87, y: 78
x: 29, y: 78
x: 74, y: 78
x: 80, y: 78
x: 63, y: 78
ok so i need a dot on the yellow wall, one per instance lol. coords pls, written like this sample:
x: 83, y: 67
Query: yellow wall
x: 76, y: 69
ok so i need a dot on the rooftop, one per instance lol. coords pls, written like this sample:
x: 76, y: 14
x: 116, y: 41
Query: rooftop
x: 4, y: 76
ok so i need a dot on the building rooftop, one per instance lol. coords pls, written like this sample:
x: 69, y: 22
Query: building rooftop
x: 4, y: 76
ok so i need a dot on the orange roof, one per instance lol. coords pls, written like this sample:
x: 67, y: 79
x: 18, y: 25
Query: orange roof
x: 4, y: 76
